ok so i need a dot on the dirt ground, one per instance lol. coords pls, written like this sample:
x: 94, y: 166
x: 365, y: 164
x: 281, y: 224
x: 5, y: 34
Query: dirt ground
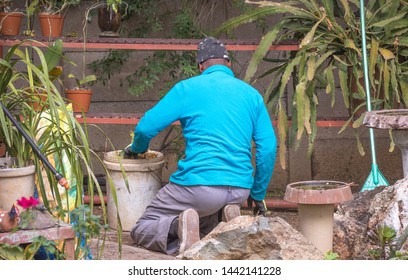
x: 132, y: 252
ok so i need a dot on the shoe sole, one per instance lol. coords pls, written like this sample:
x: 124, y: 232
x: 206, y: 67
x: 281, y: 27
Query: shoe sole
x: 189, y: 229
x: 230, y: 212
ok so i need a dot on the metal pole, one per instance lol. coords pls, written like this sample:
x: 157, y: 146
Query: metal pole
x: 367, y: 88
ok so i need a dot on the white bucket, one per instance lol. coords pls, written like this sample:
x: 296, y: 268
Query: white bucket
x: 15, y: 183
x: 144, y: 177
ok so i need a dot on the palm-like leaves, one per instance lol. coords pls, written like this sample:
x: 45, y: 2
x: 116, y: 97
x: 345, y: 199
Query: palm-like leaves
x: 330, y: 50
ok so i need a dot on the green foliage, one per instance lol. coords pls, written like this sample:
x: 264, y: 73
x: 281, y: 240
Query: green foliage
x: 5, y: 5
x: 330, y: 50
x: 162, y: 67
x: 56, y: 6
x: 177, y: 65
x: 27, y: 252
x: 11, y: 252
x: 51, y: 126
x: 388, y: 244
x: 87, y: 226
x: 84, y: 83
x: 331, y: 256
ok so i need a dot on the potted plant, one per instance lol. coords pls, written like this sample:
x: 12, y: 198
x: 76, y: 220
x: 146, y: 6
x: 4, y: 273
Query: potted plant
x: 81, y: 94
x: 54, y: 130
x: 110, y: 15
x: 10, y: 19
x: 330, y: 50
x: 51, y: 15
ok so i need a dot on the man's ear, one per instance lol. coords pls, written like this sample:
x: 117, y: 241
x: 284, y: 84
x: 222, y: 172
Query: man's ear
x: 200, y: 67
x: 229, y: 64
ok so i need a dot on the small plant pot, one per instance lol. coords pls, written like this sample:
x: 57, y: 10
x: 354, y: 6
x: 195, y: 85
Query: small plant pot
x: 109, y: 21
x: 51, y: 25
x: 80, y: 99
x: 10, y: 23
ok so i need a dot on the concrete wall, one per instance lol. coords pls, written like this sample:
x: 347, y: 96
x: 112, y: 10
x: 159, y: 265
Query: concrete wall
x: 335, y: 156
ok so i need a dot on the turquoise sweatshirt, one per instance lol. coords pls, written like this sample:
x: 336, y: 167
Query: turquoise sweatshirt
x: 220, y: 116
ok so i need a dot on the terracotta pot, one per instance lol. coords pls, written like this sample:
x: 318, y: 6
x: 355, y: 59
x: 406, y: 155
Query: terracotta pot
x: 80, y: 98
x: 10, y: 23
x: 109, y: 22
x: 51, y: 25
x: 37, y: 99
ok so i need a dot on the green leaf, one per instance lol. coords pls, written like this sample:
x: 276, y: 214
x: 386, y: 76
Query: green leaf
x: 392, y: 144
x: 328, y: 6
x: 387, y: 54
x: 260, y: 52
x: 373, y: 58
x: 347, y: 11
x: 287, y: 74
x: 343, y: 76
x: 310, y: 5
x: 398, y: 24
x: 253, y: 15
x: 310, y: 35
x: 282, y: 128
x: 307, y: 115
x: 360, y: 147
x: 348, y: 43
x: 300, y: 100
x: 312, y: 135
x: 357, y: 123
x: 311, y: 64
x: 87, y: 79
x: 330, y: 89
x: 394, y: 84
x: 53, y: 54
x: 404, y: 91
x: 387, y: 21
x: 386, y: 77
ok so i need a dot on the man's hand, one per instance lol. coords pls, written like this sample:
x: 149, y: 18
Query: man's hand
x: 260, y: 206
x: 128, y: 153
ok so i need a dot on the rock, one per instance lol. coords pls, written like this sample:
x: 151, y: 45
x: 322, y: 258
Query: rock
x: 358, y: 207
x: 356, y: 220
x: 253, y: 238
x: 38, y: 218
x: 390, y: 207
x: 349, y: 238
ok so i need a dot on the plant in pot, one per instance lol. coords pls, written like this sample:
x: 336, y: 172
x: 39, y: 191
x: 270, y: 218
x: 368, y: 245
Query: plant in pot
x: 54, y: 130
x: 330, y: 50
x: 51, y: 15
x: 10, y: 19
x: 80, y: 96
x: 110, y: 15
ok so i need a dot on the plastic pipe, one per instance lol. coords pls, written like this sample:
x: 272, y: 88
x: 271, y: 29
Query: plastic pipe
x: 270, y: 203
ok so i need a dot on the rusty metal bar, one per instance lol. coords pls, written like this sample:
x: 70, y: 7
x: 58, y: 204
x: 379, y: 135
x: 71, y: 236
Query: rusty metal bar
x: 145, y: 44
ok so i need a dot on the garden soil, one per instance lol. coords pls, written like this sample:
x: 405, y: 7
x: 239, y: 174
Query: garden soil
x: 132, y: 252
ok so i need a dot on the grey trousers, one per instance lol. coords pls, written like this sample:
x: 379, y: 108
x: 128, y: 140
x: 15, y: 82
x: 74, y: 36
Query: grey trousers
x: 152, y: 229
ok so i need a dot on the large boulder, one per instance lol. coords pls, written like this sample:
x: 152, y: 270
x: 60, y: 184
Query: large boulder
x: 253, y: 238
x: 355, y: 221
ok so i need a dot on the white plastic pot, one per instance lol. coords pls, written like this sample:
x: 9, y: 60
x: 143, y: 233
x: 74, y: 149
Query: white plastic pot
x: 15, y: 183
x: 144, y: 180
